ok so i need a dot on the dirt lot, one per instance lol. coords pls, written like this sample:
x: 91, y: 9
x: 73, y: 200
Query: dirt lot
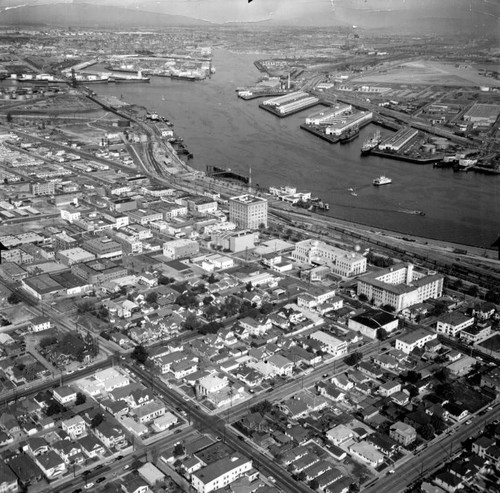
x: 427, y: 72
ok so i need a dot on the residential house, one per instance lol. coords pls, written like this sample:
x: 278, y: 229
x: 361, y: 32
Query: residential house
x: 50, y: 464
x: 69, y: 451
x: 111, y: 435
x: 64, y: 395
x: 388, y: 388
x: 134, y: 484
x: 40, y: 323
x: 8, y: 480
x: 74, y: 427
x: 367, y: 453
x: 339, y: 434
x: 449, y: 482
x: 25, y: 469
x: 148, y: 412
x: 91, y: 446
x: 342, y: 382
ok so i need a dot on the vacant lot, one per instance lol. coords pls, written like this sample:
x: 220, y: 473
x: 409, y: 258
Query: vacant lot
x: 425, y: 72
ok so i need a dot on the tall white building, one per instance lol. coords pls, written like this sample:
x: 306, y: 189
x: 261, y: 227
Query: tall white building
x: 400, y: 286
x: 341, y: 262
x: 248, y: 211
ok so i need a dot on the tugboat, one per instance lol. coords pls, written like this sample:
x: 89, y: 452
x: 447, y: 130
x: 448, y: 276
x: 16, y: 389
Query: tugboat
x: 382, y: 180
x: 371, y: 143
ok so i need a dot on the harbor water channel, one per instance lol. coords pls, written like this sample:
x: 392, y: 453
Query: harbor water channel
x: 224, y: 131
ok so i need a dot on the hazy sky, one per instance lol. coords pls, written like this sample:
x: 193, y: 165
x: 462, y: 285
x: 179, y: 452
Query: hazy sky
x: 242, y: 11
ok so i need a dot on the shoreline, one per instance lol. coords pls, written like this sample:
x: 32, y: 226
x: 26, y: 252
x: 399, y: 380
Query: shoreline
x: 399, y: 235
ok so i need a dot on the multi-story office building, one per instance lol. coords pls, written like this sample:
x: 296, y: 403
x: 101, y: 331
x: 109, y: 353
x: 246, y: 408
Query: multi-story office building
x: 248, y: 211
x: 400, y: 286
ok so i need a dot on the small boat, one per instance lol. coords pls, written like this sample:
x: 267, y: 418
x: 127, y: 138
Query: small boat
x: 354, y: 194
x: 382, y: 180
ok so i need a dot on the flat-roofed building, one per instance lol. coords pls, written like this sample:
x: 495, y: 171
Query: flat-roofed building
x: 43, y: 188
x: 400, y: 286
x: 481, y: 113
x: 220, y: 473
x: 369, y: 322
x: 452, y: 323
x: 74, y: 256
x: 103, y: 248
x: 143, y: 216
x: 341, y: 262
x: 328, y: 115
x: 415, y: 339
x: 42, y: 287
x: 397, y: 141
x: 180, y: 248
x: 342, y: 123
x: 367, y: 452
x: 99, y: 271
x: 248, y: 211
x: 331, y: 344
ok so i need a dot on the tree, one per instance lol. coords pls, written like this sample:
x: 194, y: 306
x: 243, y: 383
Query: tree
x: 446, y: 390
x: 210, y: 328
x: 211, y: 312
x: 81, y: 398
x: 9, y: 118
x: 191, y: 322
x: 266, y: 308
x: 249, y: 286
x: 212, y: 279
x: 178, y: 450
x: 437, y: 423
x: 262, y: 407
x: 152, y: 297
x: 208, y: 300
x: 353, y: 358
x: 47, y: 341
x: 413, y: 391
x: 85, y: 307
x: 426, y: 432
x: 314, y: 484
x: 411, y: 376
x: 97, y: 420
x: 388, y: 308
x: 362, y: 297
x: 165, y: 280
x: 381, y: 334
x: 139, y: 354
x: 14, y: 299
x: 54, y: 408
x: 439, y: 309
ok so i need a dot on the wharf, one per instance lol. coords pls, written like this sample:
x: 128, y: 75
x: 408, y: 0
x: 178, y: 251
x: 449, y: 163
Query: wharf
x: 408, y: 159
x: 261, y: 95
x: 272, y: 109
x: 333, y: 139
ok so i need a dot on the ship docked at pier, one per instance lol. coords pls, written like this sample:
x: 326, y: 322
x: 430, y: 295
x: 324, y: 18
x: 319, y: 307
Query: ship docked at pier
x: 371, y: 143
